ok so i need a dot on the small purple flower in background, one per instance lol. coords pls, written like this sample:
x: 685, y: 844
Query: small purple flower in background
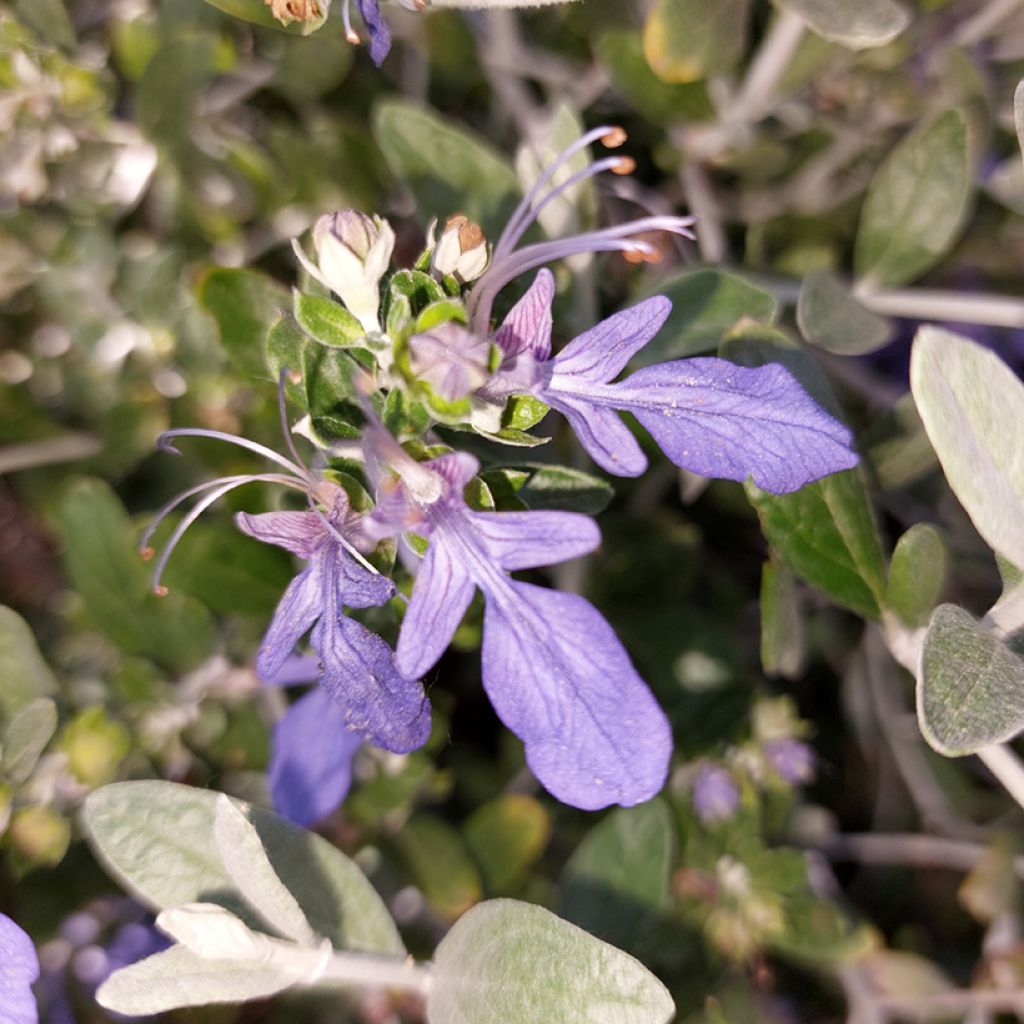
x: 716, y: 796
x: 19, y: 968
x: 708, y: 415
x: 791, y: 760
x: 311, y: 749
x: 552, y: 667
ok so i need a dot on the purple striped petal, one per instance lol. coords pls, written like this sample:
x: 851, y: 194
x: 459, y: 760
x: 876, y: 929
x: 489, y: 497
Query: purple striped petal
x: 298, y: 532
x: 721, y: 420
x: 527, y: 540
x: 527, y: 328
x: 294, y: 616
x: 19, y: 968
x: 360, y: 588
x: 380, y: 34
x: 607, y: 440
x: 440, y: 596
x: 297, y: 669
x: 603, y: 352
x: 560, y: 680
x: 311, y: 762
x: 358, y: 671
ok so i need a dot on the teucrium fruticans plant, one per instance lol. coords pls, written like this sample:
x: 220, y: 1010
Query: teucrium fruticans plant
x: 255, y: 906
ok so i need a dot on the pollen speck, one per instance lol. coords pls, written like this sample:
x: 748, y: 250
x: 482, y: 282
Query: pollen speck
x: 161, y: 591
x: 625, y: 165
x: 147, y: 554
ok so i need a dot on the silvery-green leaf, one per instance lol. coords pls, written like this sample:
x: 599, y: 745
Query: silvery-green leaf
x: 246, y: 862
x: 916, y: 204
x: 783, y: 644
x: 178, y: 977
x: 970, y: 687
x: 688, y: 40
x: 157, y: 839
x: 212, y: 932
x: 831, y: 318
x: 24, y: 675
x: 916, y: 574
x: 972, y: 405
x: 259, y: 13
x: 496, y: 4
x: 26, y: 737
x: 855, y: 24
x: 618, y: 877
x: 506, y: 962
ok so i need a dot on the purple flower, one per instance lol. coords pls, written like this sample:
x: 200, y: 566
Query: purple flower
x: 791, y: 760
x: 708, y: 415
x: 19, y: 968
x: 553, y: 668
x: 715, y: 794
x: 376, y: 26
x: 357, y: 667
x: 311, y: 749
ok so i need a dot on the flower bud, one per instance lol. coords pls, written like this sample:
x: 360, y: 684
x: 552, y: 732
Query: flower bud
x: 287, y: 11
x: 352, y: 255
x: 716, y: 796
x: 792, y: 760
x: 461, y: 250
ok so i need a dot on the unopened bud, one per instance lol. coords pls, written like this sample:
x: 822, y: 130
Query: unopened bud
x: 287, y: 11
x: 353, y: 252
x: 461, y: 250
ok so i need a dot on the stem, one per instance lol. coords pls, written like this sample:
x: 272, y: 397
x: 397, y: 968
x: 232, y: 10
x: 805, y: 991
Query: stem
x: 1007, y: 767
x: 975, y: 29
x: 928, y: 304
x: 912, y: 850
x: 757, y: 95
x: 353, y: 969
x: 67, y: 448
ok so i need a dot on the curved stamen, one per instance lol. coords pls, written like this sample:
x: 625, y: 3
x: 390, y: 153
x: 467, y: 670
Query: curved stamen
x: 163, y: 442
x: 523, y: 210
x: 510, y: 238
x: 285, y: 429
x: 246, y: 478
x: 182, y: 528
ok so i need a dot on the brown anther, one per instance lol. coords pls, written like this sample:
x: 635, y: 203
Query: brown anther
x: 352, y: 37
x: 161, y: 591
x: 624, y: 165
x: 294, y: 377
x: 634, y: 256
x: 421, y: 5
x: 147, y: 554
x: 654, y: 256
x: 614, y: 137
x: 294, y: 10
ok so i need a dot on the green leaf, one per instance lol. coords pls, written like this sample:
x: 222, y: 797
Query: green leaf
x: 244, y: 303
x: 826, y: 534
x: 259, y: 13
x: 831, y: 318
x: 783, y: 648
x: 447, y: 168
x: 245, y: 860
x: 439, y: 862
x: 49, y: 18
x: 24, y: 675
x: 558, y: 487
x: 916, y: 575
x: 181, y: 69
x: 916, y: 204
x: 327, y: 321
x: 618, y: 877
x: 507, y: 836
x: 178, y: 977
x: 855, y: 24
x: 970, y: 689
x: 157, y: 840
x: 26, y: 737
x: 573, y: 977
x: 621, y: 51
x: 687, y: 40
x: 972, y: 405
x: 523, y: 412
x: 706, y: 303
x: 106, y: 569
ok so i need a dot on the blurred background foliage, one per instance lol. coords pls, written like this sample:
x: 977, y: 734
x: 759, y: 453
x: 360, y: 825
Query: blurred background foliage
x: 151, y: 148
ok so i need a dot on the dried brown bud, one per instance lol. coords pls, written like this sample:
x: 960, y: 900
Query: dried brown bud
x: 287, y: 11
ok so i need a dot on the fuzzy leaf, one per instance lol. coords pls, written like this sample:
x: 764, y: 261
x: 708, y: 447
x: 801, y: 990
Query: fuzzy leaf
x: 855, y: 24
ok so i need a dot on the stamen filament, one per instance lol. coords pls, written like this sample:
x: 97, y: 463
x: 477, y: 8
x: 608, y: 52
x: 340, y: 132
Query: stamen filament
x: 276, y: 478
x: 346, y: 19
x: 524, y: 212
x: 163, y: 442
